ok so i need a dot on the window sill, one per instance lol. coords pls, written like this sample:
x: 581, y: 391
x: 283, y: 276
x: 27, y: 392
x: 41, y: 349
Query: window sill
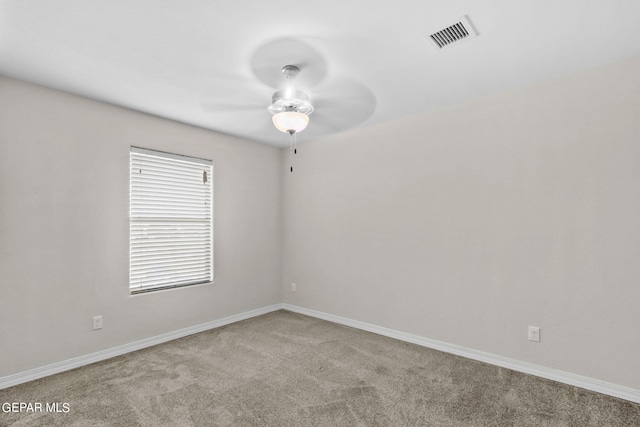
x: 167, y: 288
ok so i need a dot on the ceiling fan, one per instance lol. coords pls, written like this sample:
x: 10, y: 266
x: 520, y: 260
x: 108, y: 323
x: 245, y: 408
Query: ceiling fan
x: 290, y: 108
x: 307, y: 96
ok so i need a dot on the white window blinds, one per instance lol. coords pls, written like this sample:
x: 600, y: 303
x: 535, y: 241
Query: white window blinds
x: 171, y: 220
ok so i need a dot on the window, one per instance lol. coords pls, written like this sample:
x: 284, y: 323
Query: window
x: 170, y: 221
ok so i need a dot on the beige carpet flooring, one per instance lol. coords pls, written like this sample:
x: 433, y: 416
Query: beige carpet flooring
x: 286, y: 369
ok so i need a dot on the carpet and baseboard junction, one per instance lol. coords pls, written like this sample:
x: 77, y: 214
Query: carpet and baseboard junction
x: 288, y: 366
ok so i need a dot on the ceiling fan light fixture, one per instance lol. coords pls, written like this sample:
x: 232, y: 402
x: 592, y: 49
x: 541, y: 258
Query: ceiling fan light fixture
x: 290, y: 121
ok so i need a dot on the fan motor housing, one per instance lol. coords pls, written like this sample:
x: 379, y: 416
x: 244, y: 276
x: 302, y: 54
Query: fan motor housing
x: 288, y: 100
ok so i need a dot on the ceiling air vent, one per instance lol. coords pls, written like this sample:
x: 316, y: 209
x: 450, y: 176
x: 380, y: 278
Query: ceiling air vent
x: 454, y: 33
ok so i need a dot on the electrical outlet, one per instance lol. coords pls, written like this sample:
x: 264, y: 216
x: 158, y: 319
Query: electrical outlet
x: 97, y: 322
x: 293, y: 287
x: 534, y: 333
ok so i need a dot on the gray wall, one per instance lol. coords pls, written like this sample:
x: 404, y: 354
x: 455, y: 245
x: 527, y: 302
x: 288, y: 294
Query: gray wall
x: 468, y: 224
x: 64, y: 230
x: 464, y: 225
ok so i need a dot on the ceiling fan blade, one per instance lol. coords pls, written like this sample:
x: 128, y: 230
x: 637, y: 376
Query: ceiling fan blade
x: 238, y: 97
x: 232, y: 107
x: 268, y: 60
x: 247, y: 123
x: 340, y: 106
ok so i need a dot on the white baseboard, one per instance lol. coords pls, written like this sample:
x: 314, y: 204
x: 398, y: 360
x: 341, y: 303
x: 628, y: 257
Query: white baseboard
x: 76, y: 362
x: 598, y: 386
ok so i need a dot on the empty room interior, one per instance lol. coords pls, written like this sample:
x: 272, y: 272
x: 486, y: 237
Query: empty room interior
x: 329, y: 213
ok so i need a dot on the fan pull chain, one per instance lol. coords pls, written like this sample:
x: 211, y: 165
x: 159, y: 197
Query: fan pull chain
x: 294, y: 149
x: 291, y: 149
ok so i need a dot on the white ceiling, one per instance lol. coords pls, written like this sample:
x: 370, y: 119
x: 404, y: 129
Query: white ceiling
x: 206, y: 62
